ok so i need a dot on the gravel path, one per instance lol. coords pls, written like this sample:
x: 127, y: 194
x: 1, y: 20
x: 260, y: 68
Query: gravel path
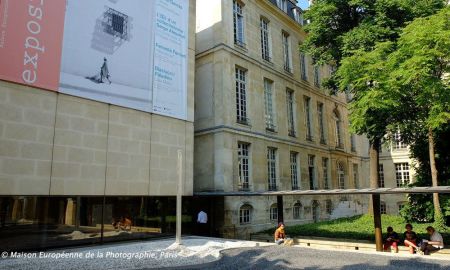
x: 279, y: 257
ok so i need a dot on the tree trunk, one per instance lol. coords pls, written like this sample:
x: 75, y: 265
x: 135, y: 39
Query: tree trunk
x: 434, y: 175
x: 375, y: 198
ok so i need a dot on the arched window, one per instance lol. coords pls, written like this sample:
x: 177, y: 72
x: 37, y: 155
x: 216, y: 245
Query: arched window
x: 338, y: 129
x: 274, y: 212
x: 297, y: 210
x: 315, y: 211
x: 245, y: 214
x: 341, y: 175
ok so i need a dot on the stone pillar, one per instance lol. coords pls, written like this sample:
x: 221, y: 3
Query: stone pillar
x: 70, y: 208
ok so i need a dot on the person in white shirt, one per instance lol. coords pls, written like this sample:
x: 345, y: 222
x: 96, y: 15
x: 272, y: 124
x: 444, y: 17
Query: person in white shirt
x: 202, y: 220
x: 202, y: 217
x: 436, y: 241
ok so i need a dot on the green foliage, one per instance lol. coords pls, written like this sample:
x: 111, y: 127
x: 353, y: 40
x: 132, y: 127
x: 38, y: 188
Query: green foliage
x: 357, y: 227
x: 418, y: 209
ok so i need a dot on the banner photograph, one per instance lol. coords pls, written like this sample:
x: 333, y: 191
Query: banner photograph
x: 131, y: 54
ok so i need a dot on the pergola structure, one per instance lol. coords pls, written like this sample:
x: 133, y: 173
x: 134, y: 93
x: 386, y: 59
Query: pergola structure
x: 374, y: 192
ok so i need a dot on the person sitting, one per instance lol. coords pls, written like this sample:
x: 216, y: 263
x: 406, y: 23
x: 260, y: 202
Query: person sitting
x: 392, y: 240
x: 435, y: 243
x: 410, y: 238
x: 280, y: 235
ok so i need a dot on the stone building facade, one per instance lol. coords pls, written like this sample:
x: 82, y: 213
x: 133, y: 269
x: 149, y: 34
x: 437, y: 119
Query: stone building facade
x: 262, y: 121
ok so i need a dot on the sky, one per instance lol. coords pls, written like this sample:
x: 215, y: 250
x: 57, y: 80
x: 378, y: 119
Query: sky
x: 303, y: 4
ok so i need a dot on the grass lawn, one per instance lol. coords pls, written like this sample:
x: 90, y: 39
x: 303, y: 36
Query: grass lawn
x: 357, y: 227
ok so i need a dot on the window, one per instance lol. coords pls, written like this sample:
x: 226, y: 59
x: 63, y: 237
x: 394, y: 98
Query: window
x: 274, y: 212
x: 308, y: 118
x: 286, y: 52
x: 355, y: 176
x: 321, y: 123
x: 298, y: 16
x: 303, y: 66
x: 380, y: 176
x: 329, y: 206
x: 383, y: 208
x: 241, y: 96
x: 398, y: 144
x: 326, y: 180
x: 311, y: 172
x: 290, y: 112
x: 297, y: 210
x: 238, y: 20
x: 245, y: 214
x: 315, y: 211
x: 116, y: 24
x: 316, y: 76
x: 265, y: 47
x: 282, y: 4
x: 271, y: 168
x: 268, y: 105
x: 294, y: 170
x: 243, y: 165
x: 353, y: 142
x: 402, y: 174
x: 338, y: 127
x: 341, y: 176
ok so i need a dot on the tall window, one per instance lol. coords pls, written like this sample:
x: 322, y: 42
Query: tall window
x: 341, y: 176
x: 265, y: 47
x: 243, y: 163
x: 316, y: 76
x: 274, y: 212
x: 321, y: 123
x: 338, y: 127
x: 353, y: 142
x: 271, y: 168
x: 380, y: 176
x: 383, y: 208
x: 398, y: 144
x: 297, y: 210
x: 294, y: 170
x: 241, y: 96
x: 402, y: 174
x: 238, y: 19
x: 245, y: 214
x: 290, y: 112
x: 282, y: 4
x: 268, y: 102
x: 286, y: 52
x: 355, y: 176
x: 308, y: 118
x: 326, y: 180
x: 311, y: 172
x: 304, y: 67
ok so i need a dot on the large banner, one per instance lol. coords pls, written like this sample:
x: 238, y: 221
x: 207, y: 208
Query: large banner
x: 127, y: 53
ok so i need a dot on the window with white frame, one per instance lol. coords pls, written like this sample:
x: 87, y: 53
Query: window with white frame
x: 243, y: 165
x: 321, y: 123
x: 355, y: 176
x: 398, y: 144
x: 241, y: 96
x: 383, y: 208
x: 274, y: 212
x: 304, y: 67
x: 268, y: 105
x: 282, y: 4
x: 341, y: 176
x: 297, y: 211
x: 290, y: 112
x: 316, y: 76
x: 265, y: 45
x: 326, y: 179
x: 312, y: 172
x: 308, y: 123
x: 380, y: 176
x: 294, y: 170
x: 402, y: 174
x: 286, y: 52
x: 298, y: 16
x: 272, y: 168
x: 238, y: 20
x: 245, y: 214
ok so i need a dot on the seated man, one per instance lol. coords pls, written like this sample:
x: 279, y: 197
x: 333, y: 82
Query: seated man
x: 280, y: 235
x: 436, y: 242
x: 392, y: 240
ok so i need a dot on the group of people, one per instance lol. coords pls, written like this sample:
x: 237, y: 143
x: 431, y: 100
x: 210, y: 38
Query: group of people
x: 411, y: 241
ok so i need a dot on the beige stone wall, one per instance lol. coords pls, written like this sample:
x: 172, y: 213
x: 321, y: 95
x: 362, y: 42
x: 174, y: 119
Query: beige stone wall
x: 55, y: 144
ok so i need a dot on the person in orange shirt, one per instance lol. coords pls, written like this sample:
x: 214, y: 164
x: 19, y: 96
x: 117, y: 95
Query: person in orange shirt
x: 280, y: 235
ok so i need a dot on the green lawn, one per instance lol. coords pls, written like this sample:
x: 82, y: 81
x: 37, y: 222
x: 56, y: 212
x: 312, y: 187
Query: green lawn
x: 357, y: 227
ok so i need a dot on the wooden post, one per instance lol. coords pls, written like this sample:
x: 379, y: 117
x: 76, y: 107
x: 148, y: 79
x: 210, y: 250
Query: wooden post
x: 280, y: 208
x: 179, y: 197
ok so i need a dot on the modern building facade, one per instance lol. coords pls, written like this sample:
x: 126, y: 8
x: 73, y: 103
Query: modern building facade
x: 263, y: 122
x: 70, y: 167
